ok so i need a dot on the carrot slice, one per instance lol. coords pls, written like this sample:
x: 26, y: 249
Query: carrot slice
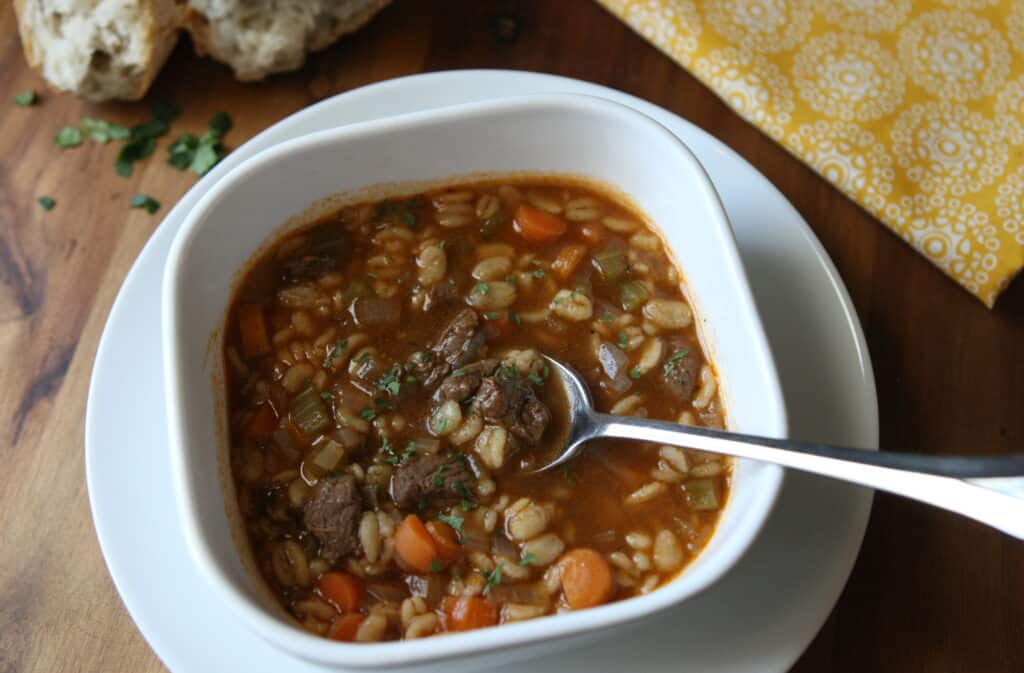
x: 415, y: 546
x: 345, y: 627
x: 448, y: 547
x: 567, y: 260
x: 465, y: 613
x: 262, y: 424
x: 253, y: 328
x: 536, y: 225
x: 343, y: 590
x: 586, y: 578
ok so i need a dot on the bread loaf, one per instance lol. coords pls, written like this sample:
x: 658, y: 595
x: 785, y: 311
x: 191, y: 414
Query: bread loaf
x: 260, y: 37
x: 99, y: 49
x: 107, y: 49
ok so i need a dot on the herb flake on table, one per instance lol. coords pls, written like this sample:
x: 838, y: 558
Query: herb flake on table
x: 141, y: 140
x: 146, y: 202
x: 69, y: 136
x: 46, y: 202
x: 200, y: 154
x: 26, y: 98
x: 103, y: 131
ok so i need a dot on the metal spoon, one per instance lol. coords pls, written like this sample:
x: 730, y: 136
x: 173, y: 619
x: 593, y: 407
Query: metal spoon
x: 989, y: 489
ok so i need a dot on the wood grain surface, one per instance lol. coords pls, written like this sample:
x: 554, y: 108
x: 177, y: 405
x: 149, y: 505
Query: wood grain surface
x: 930, y: 593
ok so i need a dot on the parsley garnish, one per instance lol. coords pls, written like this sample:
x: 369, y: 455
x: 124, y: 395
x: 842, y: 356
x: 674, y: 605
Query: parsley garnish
x: 327, y: 395
x: 635, y: 373
x: 435, y: 565
x: 202, y: 153
x: 623, y: 340
x: 437, y: 479
x: 382, y: 404
x: 146, y: 202
x: 363, y: 358
x: 103, y: 131
x: 26, y: 98
x: 333, y: 352
x: 467, y: 496
x: 141, y: 139
x: 453, y: 520
x: 511, y: 279
x: 670, y: 366
x: 607, y: 318
x: 391, y: 382
x: 46, y: 202
x: 367, y: 414
x: 537, y: 273
x: 410, y: 451
x: 440, y: 425
x: 482, y: 288
x: 514, y: 317
x: 529, y: 558
x: 69, y: 136
x: 493, y: 578
x: 492, y: 315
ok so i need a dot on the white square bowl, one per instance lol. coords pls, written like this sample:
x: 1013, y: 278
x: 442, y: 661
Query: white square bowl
x: 574, y: 135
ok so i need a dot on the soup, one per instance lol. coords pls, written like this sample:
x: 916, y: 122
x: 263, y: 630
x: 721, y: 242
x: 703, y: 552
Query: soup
x: 387, y: 401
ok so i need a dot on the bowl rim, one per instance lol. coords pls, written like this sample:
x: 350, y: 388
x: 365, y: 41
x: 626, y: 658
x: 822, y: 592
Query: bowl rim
x: 394, y: 653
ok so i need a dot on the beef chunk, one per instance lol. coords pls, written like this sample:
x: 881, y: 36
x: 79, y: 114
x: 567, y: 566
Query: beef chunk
x: 512, y: 403
x: 332, y: 515
x: 461, y: 341
x: 430, y: 478
x: 459, y: 344
x: 308, y: 267
x: 438, y: 295
x: 681, y: 370
x: 463, y: 382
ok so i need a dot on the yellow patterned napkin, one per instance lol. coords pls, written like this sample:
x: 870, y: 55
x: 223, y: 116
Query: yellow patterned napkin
x: 913, y: 108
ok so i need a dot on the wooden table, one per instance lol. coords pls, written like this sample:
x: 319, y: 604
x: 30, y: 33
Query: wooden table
x: 930, y: 592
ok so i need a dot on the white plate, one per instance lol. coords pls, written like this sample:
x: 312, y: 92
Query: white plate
x: 757, y: 619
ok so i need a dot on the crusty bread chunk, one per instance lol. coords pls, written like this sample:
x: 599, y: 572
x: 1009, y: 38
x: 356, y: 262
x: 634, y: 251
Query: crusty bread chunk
x: 260, y: 37
x: 99, y: 49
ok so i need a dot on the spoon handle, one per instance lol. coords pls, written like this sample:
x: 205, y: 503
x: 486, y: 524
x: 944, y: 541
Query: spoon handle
x: 989, y: 489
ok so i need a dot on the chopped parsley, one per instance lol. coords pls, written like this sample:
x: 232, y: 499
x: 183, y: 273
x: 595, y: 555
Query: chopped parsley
x: 467, y: 496
x: 26, y: 98
x: 200, y: 154
x: 363, y: 358
x: 46, y: 202
x: 537, y: 273
x: 670, y: 366
x: 635, y: 373
x: 146, y: 202
x: 493, y: 578
x: 514, y: 317
x: 391, y: 382
x: 103, y: 131
x: 492, y: 315
x: 435, y: 565
x: 367, y: 414
x: 482, y: 288
x: 542, y: 379
x: 437, y: 479
x: 327, y: 395
x: 410, y: 451
x: 529, y: 558
x: 440, y: 424
x: 382, y: 404
x: 509, y: 372
x: 333, y: 352
x: 623, y: 340
x: 141, y: 140
x: 453, y: 520
x: 69, y: 136
x: 451, y: 281
x: 607, y: 318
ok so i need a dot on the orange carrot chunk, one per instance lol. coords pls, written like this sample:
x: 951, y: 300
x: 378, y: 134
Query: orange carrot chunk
x: 253, y: 329
x: 345, y: 627
x: 586, y: 578
x: 448, y: 547
x: 343, y: 590
x: 262, y: 423
x: 536, y: 225
x: 567, y: 260
x: 415, y: 547
x: 465, y: 613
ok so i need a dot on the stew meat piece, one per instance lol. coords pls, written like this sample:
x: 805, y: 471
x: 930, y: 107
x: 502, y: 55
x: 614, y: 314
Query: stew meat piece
x: 431, y: 478
x: 332, y: 515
